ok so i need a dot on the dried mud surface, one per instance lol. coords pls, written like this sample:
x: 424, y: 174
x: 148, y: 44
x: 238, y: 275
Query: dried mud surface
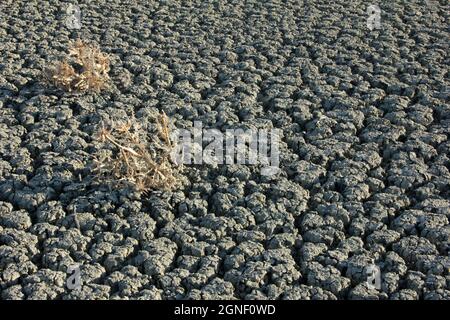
x: 365, y: 152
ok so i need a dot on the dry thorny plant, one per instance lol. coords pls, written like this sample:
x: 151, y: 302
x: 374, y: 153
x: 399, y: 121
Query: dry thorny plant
x: 132, y: 159
x: 85, y: 68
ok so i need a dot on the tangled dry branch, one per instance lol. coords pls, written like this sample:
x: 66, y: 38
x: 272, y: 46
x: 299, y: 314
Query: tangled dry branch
x: 86, y: 68
x: 133, y: 159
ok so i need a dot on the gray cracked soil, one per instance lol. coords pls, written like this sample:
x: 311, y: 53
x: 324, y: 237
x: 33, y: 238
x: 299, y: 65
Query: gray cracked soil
x: 364, y: 157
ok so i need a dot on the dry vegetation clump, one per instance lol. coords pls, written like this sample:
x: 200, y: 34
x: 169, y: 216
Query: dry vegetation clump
x: 85, y: 69
x: 130, y: 158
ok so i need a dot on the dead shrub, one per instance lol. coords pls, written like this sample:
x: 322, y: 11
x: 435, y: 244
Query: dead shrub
x: 130, y: 158
x: 84, y: 69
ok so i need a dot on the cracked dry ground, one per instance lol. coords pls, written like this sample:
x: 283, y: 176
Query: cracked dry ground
x: 365, y: 152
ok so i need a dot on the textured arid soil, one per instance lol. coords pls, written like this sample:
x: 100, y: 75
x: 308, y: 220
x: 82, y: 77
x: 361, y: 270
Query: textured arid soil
x: 365, y: 152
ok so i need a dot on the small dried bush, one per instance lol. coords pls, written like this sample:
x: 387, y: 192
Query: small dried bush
x: 86, y: 68
x: 129, y: 157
